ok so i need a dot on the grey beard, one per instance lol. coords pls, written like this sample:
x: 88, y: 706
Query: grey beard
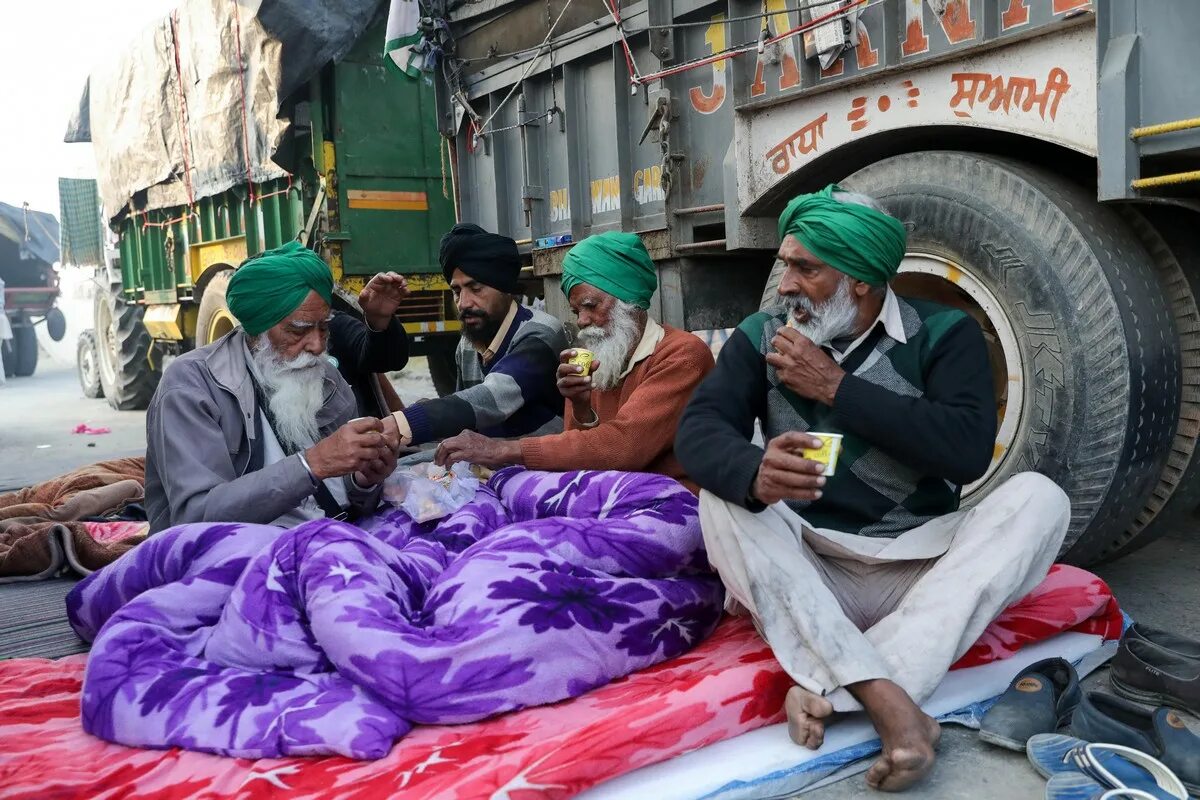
x: 612, y: 345
x: 832, y: 319
x: 295, y: 393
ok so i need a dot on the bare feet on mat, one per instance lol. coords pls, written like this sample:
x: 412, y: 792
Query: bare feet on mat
x: 806, y: 715
x: 908, y: 734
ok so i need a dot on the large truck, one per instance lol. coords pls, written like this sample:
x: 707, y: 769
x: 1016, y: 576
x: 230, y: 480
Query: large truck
x: 225, y: 130
x: 1041, y: 153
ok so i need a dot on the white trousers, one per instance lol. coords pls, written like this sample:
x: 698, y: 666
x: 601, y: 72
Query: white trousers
x: 837, y: 609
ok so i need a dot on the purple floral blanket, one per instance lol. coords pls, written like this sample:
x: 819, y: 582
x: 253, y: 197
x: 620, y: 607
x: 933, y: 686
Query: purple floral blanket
x: 253, y: 641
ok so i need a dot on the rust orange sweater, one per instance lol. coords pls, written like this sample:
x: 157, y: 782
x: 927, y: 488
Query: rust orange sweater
x: 638, y: 418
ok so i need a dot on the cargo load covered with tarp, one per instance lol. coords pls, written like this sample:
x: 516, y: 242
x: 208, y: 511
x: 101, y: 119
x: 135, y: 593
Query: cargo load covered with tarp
x: 197, y: 102
x: 28, y: 241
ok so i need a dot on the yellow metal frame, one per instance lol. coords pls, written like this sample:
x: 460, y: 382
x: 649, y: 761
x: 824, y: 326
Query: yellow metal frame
x: 202, y: 255
x: 170, y: 321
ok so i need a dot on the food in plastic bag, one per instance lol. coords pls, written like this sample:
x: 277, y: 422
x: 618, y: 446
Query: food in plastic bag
x: 428, y: 492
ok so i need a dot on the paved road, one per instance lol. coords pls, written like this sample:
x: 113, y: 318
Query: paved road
x: 39, y: 413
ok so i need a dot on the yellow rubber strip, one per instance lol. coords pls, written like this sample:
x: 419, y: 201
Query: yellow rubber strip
x: 1166, y: 180
x: 1166, y: 127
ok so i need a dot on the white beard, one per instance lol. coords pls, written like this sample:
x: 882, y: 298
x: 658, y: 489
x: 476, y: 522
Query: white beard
x: 612, y: 345
x: 294, y: 390
x: 834, y: 318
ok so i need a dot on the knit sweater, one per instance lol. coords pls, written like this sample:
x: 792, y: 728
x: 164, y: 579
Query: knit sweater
x: 918, y: 420
x: 514, y: 394
x: 638, y: 417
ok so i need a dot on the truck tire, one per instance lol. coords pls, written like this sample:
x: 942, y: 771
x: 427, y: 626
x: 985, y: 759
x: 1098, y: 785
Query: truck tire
x: 25, y: 351
x: 127, y: 377
x: 443, y: 367
x: 213, y: 319
x: 1083, y: 342
x: 87, y: 366
x: 1169, y: 234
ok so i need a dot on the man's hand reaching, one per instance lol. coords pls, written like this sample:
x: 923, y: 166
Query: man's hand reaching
x: 381, y: 297
x: 785, y: 474
x: 475, y: 448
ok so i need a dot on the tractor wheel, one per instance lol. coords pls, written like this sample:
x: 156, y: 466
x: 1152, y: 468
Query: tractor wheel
x: 88, y: 366
x: 127, y: 377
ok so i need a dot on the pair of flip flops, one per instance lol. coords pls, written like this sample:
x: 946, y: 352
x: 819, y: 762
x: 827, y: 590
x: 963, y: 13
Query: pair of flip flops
x: 1079, y: 770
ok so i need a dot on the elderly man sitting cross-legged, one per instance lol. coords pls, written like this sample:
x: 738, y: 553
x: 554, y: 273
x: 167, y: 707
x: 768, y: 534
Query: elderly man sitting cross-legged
x: 623, y: 415
x: 868, y: 584
x: 258, y: 426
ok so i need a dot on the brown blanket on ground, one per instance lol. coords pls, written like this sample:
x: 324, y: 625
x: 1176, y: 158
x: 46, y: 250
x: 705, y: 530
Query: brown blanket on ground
x: 39, y: 529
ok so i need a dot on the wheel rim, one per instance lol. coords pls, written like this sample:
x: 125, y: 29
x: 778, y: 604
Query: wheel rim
x: 87, y: 366
x: 222, y: 323
x: 108, y: 348
x: 937, y: 278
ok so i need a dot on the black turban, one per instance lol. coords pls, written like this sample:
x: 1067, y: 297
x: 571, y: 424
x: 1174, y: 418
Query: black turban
x: 489, y: 258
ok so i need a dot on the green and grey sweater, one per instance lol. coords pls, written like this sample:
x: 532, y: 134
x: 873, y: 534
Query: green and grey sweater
x: 918, y: 420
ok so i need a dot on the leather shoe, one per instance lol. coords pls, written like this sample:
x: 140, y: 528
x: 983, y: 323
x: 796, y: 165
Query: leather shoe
x: 1160, y: 733
x: 1038, y: 700
x: 1150, y: 674
x: 1189, y: 648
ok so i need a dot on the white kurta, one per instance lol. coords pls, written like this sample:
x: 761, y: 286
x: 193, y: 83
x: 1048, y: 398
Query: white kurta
x: 838, y: 608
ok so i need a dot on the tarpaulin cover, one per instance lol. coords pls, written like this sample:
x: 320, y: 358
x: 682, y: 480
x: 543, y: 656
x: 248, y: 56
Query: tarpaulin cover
x: 214, y: 75
x: 34, y: 233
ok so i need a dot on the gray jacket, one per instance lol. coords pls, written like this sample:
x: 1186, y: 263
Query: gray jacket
x: 200, y: 433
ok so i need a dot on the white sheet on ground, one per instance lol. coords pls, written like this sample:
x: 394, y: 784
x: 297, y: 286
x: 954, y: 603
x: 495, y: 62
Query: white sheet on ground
x: 766, y: 764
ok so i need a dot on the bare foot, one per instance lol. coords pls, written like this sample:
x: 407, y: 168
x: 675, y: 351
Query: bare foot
x: 909, y: 735
x: 806, y: 715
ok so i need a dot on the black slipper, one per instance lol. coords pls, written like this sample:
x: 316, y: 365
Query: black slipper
x: 1039, y: 700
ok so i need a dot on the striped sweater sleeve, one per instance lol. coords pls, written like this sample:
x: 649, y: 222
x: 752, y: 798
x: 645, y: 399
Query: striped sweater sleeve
x: 513, y: 380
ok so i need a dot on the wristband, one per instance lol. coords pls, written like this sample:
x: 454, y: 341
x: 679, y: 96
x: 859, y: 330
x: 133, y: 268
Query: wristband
x: 312, y: 476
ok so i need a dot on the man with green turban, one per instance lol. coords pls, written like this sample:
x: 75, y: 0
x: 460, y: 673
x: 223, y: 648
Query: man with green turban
x: 842, y: 537
x: 259, y: 426
x: 620, y: 412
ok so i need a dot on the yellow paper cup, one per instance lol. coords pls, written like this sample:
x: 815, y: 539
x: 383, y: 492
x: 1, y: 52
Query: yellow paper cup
x: 827, y: 453
x: 582, y: 358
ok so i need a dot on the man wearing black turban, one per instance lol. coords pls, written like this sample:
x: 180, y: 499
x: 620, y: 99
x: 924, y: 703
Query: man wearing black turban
x: 508, y: 356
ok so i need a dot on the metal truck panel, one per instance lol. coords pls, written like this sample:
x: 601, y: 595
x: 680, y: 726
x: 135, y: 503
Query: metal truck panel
x: 739, y: 129
x: 392, y: 176
x: 1043, y: 88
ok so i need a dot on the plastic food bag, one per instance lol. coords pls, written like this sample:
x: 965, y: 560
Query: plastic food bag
x: 428, y: 492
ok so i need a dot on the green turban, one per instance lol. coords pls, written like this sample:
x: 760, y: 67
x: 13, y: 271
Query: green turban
x: 855, y: 239
x: 269, y: 286
x: 613, y: 262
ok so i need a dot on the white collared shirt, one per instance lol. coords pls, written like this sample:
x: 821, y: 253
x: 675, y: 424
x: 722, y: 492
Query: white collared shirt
x: 893, y: 326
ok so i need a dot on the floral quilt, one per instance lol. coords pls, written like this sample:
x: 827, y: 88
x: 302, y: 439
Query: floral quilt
x: 249, y: 641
